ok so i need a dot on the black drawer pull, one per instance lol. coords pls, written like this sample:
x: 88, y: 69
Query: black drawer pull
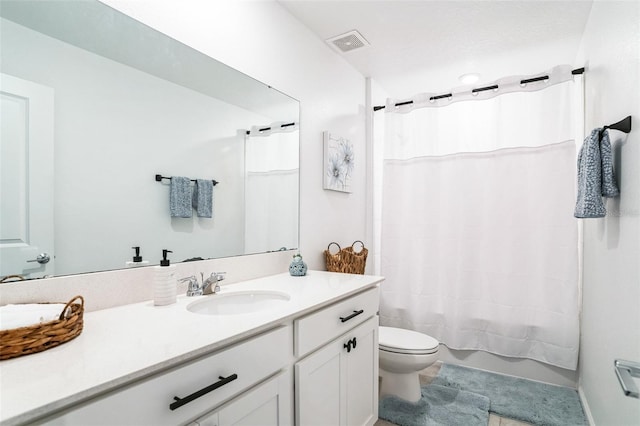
x: 354, y: 314
x: 179, y: 402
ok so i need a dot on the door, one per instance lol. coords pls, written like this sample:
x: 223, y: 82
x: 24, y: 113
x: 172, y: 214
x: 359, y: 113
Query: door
x: 26, y: 178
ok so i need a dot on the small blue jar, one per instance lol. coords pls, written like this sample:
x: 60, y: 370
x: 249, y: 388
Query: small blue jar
x: 297, y: 268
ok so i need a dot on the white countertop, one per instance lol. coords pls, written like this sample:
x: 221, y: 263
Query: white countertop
x: 128, y: 342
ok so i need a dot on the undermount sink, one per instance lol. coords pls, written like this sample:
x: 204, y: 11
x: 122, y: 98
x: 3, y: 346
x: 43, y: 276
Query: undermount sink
x: 240, y: 302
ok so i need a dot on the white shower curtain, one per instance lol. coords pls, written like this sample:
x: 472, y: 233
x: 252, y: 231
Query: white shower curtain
x: 479, y: 246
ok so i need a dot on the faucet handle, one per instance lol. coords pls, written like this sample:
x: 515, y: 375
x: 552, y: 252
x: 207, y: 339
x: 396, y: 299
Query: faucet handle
x: 219, y: 277
x: 210, y: 285
x: 194, y: 288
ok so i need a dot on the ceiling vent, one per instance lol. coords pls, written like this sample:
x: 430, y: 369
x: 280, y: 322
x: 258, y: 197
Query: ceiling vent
x: 348, y: 41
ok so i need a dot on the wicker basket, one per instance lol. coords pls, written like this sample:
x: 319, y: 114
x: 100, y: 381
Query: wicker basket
x: 346, y: 260
x: 36, y: 338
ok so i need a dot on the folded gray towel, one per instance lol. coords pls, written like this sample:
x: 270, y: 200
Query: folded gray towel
x: 595, y: 176
x: 180, y: 197
x: 203, y: 197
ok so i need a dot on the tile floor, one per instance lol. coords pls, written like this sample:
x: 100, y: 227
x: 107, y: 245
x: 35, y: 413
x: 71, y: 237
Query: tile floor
x: 429, y: 373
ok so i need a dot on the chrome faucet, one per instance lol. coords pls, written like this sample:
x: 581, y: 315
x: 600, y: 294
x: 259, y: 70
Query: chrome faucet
x: 209, y: 286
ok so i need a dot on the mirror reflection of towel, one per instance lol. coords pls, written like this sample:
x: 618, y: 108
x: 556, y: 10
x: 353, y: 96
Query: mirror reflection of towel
x: 180, y: 197
x: 203, y: 198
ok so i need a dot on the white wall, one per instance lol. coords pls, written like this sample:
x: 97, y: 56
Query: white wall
x: 377, y: 97
x: 611, y: 289
x: 261, y: 39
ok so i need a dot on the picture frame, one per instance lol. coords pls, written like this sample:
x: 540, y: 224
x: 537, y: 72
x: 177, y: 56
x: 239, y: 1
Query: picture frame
x: 339, y: 163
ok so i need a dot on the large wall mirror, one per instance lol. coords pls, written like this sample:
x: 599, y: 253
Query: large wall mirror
x: 94, y: 106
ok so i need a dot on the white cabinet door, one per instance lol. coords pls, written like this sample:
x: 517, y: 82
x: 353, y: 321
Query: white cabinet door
x: 318, y: 387
x: 269, y: 404
x: 362, y: 375
x: 338, y: 384
x: 26, y: 178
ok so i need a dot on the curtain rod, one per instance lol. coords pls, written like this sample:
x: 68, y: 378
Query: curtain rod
x: 481, y: 89
x: 264, y: 129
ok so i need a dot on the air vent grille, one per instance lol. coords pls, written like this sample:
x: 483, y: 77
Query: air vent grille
x: 348, y: 41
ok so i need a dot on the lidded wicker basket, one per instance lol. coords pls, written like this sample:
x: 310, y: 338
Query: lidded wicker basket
x: 346, y: 259
x: 40, y: 337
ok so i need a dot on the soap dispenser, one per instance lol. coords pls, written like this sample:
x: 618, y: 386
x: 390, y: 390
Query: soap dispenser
x: 165, y: 284
x: 137, y: 259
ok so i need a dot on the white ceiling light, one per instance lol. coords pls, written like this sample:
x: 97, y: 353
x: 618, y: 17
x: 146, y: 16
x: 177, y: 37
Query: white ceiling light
x: 469, y: 78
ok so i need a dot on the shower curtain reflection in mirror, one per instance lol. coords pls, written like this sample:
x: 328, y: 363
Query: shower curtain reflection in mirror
x: 271, y: 190
x: 479, y: 246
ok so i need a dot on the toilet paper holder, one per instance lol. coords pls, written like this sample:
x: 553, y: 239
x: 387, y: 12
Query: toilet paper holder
x: 626, y: 371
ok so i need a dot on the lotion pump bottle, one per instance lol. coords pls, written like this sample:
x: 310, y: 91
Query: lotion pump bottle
x: 165, y: 284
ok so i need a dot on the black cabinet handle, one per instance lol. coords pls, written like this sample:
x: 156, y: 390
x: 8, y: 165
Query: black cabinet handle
x: 353, y: 342
x: 354, y: 314
x: 179, y: 402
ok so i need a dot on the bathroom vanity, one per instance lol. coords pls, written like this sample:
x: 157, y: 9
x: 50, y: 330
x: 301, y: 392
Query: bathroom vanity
x: 308, y: 358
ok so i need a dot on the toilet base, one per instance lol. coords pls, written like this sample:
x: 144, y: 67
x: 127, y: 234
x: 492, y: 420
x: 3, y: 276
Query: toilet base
x: 403, y: 385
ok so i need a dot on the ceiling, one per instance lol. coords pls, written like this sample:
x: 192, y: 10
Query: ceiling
x: 423, y: 46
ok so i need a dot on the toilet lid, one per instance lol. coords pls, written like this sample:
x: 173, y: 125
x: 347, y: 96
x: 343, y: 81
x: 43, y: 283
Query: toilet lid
x: 406, y: 341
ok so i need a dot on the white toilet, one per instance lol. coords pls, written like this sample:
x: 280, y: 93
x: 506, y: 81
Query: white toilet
x: 403, y: 353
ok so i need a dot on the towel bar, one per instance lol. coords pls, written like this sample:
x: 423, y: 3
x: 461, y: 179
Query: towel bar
x: 160, y: 177
x: 623, y: 125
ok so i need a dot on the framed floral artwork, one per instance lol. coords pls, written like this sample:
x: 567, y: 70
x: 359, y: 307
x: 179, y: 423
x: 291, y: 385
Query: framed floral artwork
x: 338, y: 162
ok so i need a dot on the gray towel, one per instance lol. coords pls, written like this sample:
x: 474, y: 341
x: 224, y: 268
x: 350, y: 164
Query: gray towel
x: 595, y: 176
x: 180, y: 197
x: 203, y: 197
x: 609, y: 185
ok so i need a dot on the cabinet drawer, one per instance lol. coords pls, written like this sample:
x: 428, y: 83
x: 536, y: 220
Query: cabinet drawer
x: 148, y: 402
x: 317, y: 328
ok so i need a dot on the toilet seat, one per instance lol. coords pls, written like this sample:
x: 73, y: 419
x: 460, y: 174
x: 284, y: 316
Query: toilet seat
x: 401, y: 341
